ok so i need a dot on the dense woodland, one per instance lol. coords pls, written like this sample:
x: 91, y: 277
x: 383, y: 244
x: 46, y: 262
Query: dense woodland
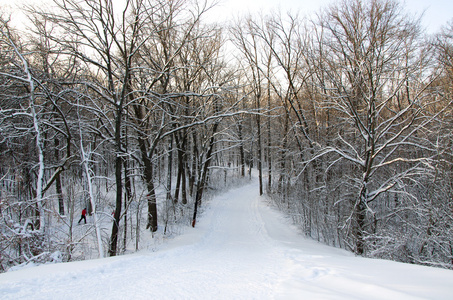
x: 141, y: 110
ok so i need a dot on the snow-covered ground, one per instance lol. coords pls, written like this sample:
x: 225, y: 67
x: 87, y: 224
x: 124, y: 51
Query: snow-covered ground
x: 240, y: 249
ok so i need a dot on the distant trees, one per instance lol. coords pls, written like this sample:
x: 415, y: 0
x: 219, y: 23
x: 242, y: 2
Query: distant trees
x: 104, y: 83
x: 31, y: 119
x: 134, y: 60
x: 107, y: 45
x: 375, y: 70
x: 363, y: 110
x: 380, y: 90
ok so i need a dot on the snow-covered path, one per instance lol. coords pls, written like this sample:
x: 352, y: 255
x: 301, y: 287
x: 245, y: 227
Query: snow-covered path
x: 240, y: 249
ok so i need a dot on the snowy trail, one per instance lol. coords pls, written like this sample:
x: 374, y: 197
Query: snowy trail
x: 240, y: 249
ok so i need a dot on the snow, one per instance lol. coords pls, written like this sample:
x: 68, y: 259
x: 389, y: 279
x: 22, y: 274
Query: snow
x: 241, y: 248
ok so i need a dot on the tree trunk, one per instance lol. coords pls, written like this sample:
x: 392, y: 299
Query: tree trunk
x: 182, y: 160
x: 178, y: 181
x: 204, y: 175
x: 149, y: 179
x: 118, y: 183
x: 85, y: 160
x: 360, y: 226
x: 127, y: 199
x: 193, y: 170
x: 169, y: 168
x: 241, y: 148
x: 58, y: 180
x: 260, y: 154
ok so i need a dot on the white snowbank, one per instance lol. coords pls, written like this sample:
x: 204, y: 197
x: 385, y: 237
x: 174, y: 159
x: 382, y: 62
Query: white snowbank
x: 240, y: 249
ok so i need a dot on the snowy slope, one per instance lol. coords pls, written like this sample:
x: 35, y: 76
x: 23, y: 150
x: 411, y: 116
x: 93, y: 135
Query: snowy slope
x: 240, y: 249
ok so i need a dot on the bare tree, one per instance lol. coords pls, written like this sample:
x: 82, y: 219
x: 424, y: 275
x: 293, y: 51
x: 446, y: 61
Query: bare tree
x: 372, y: 56
x: 249, y: 44
x: 165, y: 83
x: 106, y: 39
x: 24, y: 113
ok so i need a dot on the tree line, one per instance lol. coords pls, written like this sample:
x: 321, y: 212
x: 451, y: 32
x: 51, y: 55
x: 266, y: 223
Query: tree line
x: 139, y: 110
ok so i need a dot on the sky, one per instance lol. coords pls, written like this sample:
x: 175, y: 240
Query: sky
x: 436, y: 12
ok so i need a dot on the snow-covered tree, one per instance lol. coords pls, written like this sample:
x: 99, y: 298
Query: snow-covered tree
x: 375, y: 71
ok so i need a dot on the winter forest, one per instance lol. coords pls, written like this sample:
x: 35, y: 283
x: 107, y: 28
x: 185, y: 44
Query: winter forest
x: 141, y: 110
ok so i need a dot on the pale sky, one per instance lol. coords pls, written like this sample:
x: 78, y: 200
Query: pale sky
x: 437, y: 12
